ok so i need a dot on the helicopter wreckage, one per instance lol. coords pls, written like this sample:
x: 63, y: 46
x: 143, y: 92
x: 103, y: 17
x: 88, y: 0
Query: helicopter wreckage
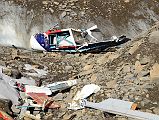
x: 72, y: 40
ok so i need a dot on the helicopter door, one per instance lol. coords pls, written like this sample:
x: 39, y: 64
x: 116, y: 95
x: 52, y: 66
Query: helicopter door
x: 52, y: 41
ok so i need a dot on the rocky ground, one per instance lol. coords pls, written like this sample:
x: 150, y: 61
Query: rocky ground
x: 129, y: 72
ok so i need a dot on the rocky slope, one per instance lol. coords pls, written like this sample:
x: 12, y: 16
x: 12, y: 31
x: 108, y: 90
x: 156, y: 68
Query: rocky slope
x: 129, y: 72
x: 114, y: 17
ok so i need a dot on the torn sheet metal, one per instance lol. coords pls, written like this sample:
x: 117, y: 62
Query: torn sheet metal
x: 43, y: 100
x: 86, y: 91
x: 61, y: 85
x: 25, y: 81
x: 35, y: 89
x: 121, y: 108
x: 72, y: 40
x: 10, y: 92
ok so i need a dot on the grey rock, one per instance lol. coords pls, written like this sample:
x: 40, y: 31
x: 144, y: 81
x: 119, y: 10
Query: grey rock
x: 68, y: 68
x: 138, y: 98
x: 144, y: 73
x: 129, y: 76
x: 59, y: 96
x: 51, y: 10
x: 144, y: 78
x: 156, y: 110
x: 63, y: 14
x: 73, y: 13
x: 56, y: 3
x: 154, y: 37
x: 145, y: 61
x: 15, y: 110
x: 2, y: 63
x: 126, y: 69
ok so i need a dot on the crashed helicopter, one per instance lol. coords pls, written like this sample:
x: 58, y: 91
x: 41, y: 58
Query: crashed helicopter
x: 72, y: 40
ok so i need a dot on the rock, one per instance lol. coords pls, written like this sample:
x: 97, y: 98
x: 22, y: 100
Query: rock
x: 144, y: 73
x: 68, y: 10
x: 138, y: 56
x: 7, y: 72
x: 148, y: 111
x: 138, y: 67
x: 63, y: 14
x: 28, y: 115
x: 108, y: 57
x: 26, y: 118
x: 16, y: 74
x: 2, y: 63
x: 145, y: 61
x: 134, y: 47
x: 73, y: 13
x: 51, y: 10
x: 73, y: 0
x: 145, y: 102
x: 126, y: 69
x: 154, y: 37
x: 59, y: 96
x: 156, y: 110
x: 154, y: 72
x: 129, y: 76
x: 15, y: 53
x: 82, y: 13
x: 5, y: 105
x: 138, y: 98
x: 45, y: 2
x: 86, y: 72
x: 63, y: 6
x: 87, y: 67
x: 111, y: 84
x: 85, y: 57
x: 144, y: 79
x: 126, y: 1
x: 93, y: 77
x: 68, y: 68
x: 122, y: 119
x: 56, y: 3
x: 15, y: 110
x: 69, y: 116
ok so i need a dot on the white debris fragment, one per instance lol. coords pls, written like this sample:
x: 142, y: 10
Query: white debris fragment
x: 120, y: 107
x: 6, y: 90
x: 35, y: 89
x: 61, y: 85
x: 86, y: 91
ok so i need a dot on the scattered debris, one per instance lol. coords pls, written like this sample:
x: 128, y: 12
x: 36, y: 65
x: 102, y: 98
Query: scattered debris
x: 72, y: 40
x: 61, y: 85
x: 43, y: 100
x: 86, y: 91
x: 10, y: 92
x: 120, y: 107
x: 35, y: 89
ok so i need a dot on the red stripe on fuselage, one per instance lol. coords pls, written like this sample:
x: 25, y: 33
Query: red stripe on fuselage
x: 52, y: 31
